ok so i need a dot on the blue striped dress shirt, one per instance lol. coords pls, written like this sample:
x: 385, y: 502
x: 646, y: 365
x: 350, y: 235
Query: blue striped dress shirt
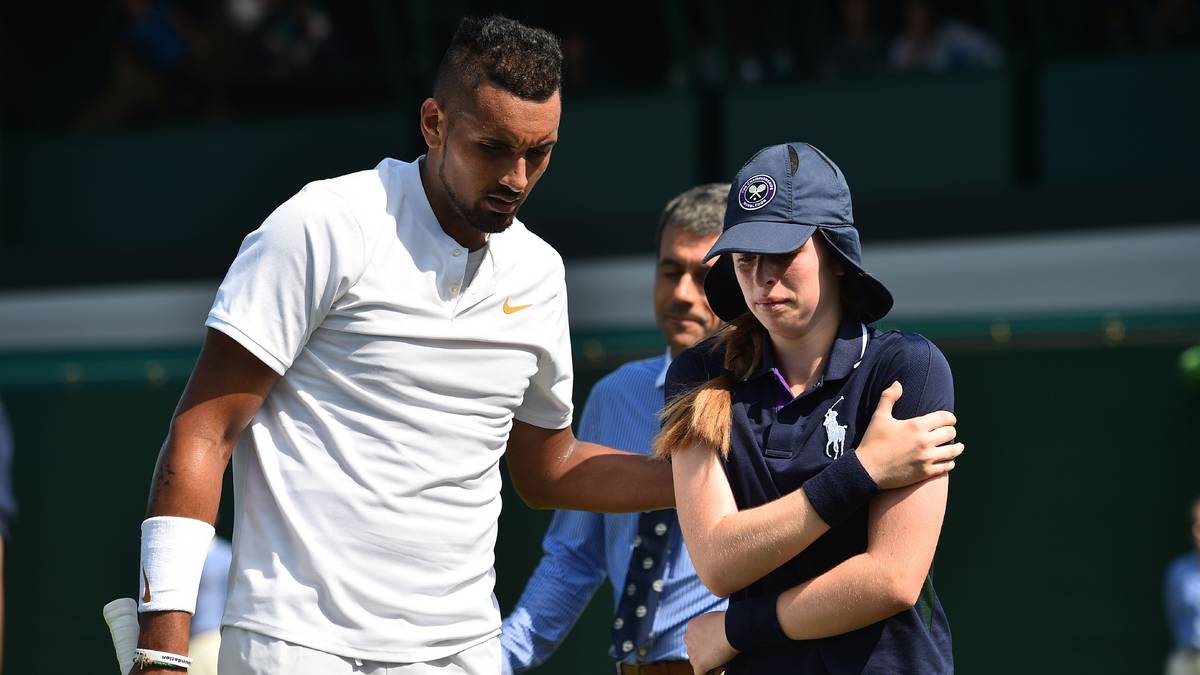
x: 581, y: 549
x: 1183, y: 601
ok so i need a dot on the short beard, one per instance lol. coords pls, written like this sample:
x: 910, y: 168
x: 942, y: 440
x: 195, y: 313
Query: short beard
x: 484, y: 221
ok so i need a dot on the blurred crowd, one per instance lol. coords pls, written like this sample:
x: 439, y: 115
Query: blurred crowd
x: 169, y: 59
x: 130, y: 62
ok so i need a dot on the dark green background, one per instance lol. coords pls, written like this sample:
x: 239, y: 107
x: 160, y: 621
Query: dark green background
x: 1082, y: 455
x: 1071, y: 145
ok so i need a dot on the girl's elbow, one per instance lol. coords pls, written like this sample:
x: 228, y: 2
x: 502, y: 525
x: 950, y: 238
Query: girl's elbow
x: 903, y: 591
x: 715, y: 580
x: 717, y: 588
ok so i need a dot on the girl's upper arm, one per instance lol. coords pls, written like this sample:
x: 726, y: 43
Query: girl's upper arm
x: 903, y: 530
x: 702, y: 498
x: 905, y: 523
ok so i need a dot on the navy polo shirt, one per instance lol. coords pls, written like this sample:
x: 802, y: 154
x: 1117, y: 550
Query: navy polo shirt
x: 777, y: 442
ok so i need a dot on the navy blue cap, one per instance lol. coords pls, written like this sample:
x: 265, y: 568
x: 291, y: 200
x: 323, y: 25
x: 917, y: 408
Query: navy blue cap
x: 779, y: 199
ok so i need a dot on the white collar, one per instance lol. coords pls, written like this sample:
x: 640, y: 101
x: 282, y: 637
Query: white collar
x: 661, y: 380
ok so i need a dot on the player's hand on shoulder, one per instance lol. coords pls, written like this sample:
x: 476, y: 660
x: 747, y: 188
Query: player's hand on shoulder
x: 901, y: 452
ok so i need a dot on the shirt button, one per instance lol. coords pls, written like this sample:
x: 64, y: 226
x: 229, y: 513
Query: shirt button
x: 627, y: 646
x: 640, y: 611
x: 637, y: 541
x: 657, y: 585
x: 454, y: 289
x: 647, y: 563
x: 631, y: 589
x: 618, y: 623
x: 660, y: 529
x: 642, y: 651
x: 456, y: 252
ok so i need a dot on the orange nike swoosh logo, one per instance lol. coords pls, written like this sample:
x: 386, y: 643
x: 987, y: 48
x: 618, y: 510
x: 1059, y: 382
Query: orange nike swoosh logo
x: 146, y: 593
x: 509, y: 309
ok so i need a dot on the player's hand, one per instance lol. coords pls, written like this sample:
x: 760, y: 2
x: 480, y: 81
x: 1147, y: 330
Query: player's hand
x: 708, y: 648
x: 901, y: 452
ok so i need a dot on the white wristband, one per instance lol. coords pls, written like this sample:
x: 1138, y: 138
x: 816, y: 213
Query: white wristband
x: 173, y: 553
x: 151, y: 658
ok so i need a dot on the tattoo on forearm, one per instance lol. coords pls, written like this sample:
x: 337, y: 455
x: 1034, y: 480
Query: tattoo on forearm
x: 160, y: 487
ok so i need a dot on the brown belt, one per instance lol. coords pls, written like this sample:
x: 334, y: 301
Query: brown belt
x: 656, y: 668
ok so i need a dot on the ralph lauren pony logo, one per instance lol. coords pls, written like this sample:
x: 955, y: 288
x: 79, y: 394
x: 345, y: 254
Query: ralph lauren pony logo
x: 835, y: 434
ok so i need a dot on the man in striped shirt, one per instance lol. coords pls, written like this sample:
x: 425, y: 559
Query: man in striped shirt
x: 655, y: 588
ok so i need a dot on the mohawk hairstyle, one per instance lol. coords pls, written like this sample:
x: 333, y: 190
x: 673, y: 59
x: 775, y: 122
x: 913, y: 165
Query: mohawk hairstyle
x: 524, y: 61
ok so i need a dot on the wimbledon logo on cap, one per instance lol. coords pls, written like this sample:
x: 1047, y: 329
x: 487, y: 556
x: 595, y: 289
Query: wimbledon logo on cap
x: 757, y: 192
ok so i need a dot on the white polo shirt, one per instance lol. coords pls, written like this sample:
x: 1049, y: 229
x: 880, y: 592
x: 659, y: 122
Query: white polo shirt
x: 367, y: 487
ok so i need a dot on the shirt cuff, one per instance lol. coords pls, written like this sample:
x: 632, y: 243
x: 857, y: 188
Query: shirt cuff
x: 840, y: 489
x: 753, y: 623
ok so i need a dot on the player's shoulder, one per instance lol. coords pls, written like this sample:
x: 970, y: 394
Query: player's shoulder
x: 360, y: 191
x: 532, y: 246
x: 519, y: 251
x: 329, y: 204
x: 358, y: 200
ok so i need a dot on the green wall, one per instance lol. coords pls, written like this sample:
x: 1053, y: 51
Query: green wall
x: 76, y: 206
x: 911, y: 136
x: 618, y: 160
x: 1129, y: 119
x: 183, y: 186
x: 1072, y: 498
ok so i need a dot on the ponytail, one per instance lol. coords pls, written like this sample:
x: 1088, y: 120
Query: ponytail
x: 704, y: 415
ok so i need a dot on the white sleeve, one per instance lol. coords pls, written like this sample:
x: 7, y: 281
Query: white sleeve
x: 287, y: 275
x: 547, y: 402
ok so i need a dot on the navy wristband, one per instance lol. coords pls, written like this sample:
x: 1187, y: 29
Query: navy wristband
x: 840, y: 489
x: 753, y: 623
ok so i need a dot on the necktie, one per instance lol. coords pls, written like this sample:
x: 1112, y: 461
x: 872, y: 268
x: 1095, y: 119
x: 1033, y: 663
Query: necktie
x: 643, y: 583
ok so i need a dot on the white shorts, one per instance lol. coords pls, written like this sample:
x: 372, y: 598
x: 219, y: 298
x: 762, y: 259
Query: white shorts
x: 203, y: 650
x: 247, y: 653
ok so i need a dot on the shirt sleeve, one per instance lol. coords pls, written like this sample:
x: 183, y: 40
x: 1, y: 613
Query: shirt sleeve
x: 8, y: 503
x: 571, y: 568
x: 924, y: 373
x: 287, y: 276
x: 1176, y: 604
x: 547, y: 402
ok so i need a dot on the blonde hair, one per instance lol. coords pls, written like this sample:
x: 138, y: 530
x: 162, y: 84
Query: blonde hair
x: 704, y: 415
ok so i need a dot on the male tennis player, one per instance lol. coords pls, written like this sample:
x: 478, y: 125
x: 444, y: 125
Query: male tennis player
x: 382, y: 340
x: 377, y: 345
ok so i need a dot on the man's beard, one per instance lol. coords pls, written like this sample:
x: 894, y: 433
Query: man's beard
x: 488, y: 222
